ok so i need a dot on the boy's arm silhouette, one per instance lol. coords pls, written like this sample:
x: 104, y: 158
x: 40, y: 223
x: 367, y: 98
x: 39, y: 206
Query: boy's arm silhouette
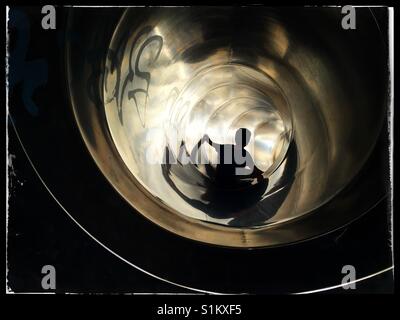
x: 206, y: 138
x: 196, y: 148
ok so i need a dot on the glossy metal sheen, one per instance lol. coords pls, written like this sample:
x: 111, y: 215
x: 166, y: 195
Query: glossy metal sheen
x: 310, y: 93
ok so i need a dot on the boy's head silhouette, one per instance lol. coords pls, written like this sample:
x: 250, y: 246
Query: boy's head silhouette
x: 242, y: 137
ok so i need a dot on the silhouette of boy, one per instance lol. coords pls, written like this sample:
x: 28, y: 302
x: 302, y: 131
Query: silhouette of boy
x: 235, y: 164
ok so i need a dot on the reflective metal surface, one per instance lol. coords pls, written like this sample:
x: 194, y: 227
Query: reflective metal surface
x: 311, y: 94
